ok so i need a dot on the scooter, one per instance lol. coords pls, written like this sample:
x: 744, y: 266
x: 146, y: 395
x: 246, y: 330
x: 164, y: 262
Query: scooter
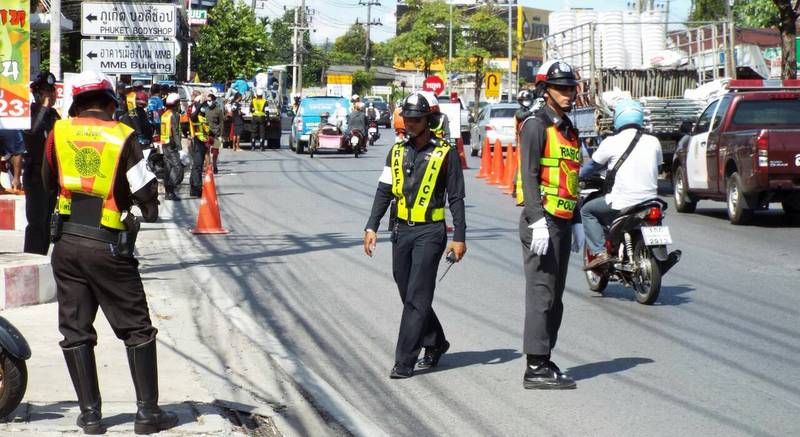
x: 356, y: 141
x: 372, y: 132
x: 638, y: 242
x: 14, y: 351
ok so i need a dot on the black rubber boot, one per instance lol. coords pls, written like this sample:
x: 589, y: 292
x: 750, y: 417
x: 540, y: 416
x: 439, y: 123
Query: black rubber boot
x: 83, y: 372
x: 144, y: 371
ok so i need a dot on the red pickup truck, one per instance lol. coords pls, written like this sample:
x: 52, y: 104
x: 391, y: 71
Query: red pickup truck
x: 743, y: 149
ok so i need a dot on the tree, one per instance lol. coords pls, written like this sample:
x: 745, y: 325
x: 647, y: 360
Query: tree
x: 484, y: 38
x: 232, y: 33
x: 349, y: 48
x: 362, y: 81
x: 424, y: 35
x: 788, y: 27
x: 707, y: 10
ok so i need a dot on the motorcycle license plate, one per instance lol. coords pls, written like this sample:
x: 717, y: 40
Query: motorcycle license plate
x: 372, y: 130
x: 656, y: 235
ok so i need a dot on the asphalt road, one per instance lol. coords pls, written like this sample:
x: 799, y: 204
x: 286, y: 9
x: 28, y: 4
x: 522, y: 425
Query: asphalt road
x: 718, y: 355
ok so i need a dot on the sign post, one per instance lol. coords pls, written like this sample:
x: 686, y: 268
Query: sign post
x: 128, y: 57
x: 151, y: 20
x: 15, y: 63
x: 492, y: 85
x: 434, y: 84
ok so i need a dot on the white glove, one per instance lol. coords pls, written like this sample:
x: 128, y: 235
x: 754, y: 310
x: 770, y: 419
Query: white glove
x: 540, y: 237
x: 578, y: 237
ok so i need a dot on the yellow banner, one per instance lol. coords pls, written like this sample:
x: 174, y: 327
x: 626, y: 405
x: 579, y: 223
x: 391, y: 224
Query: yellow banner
x: 15, y: 64
x: 339, y: 79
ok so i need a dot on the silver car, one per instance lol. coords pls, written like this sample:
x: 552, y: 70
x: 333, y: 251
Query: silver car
x: 495, y: 122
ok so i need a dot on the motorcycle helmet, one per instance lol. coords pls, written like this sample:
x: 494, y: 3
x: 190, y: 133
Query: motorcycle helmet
x: 432, y: 100
x: 88, y: 86
x: 259, y: 92
x: 173, y: 99
x: 524, y: 98
x: 628, y: 113
x: 43, y: 80
x: 416, y: 105
x: 557, y: 73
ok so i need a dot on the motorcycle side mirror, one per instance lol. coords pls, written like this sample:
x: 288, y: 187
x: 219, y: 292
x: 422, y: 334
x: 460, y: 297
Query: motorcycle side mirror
x: 686, y: 127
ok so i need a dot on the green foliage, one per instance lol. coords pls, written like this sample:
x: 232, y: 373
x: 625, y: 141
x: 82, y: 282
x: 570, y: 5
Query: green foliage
x: 70, y: 60
x: 756, y: 13
x: 426, y: 38
x: 707, y: 10
x: 234, y: 43
x: 349, y: 48
x: 280, y: 39
x: 362, y: 81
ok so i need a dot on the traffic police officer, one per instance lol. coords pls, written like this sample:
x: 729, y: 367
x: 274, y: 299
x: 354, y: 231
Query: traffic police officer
x: 258, y: 109
x: 98, y: 169
x: 39, y: 202
x: 198, y: 127
x: 171, y: 145
x: 419, y: 173
x: 549, y: 222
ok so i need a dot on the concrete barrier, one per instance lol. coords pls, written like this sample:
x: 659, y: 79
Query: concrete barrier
x: 25, y: 279
x: 12, y: 213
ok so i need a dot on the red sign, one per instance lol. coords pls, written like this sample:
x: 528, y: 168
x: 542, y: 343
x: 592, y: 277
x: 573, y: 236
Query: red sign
x: 434, y: 84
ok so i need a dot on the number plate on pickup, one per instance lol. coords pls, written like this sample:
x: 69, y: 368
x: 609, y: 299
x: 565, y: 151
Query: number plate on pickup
x: 656, y: 235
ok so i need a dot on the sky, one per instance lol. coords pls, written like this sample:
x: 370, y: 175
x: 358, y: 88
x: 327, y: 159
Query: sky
x: 332, y: 18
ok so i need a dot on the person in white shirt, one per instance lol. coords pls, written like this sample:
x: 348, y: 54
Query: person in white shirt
x: 636, y: 179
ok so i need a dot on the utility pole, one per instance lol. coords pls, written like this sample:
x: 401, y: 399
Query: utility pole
x: 510, y: 63
x: 301, y: 45
x: 189, y: 44
x: 731, y: 52
x: 367, y: 26
x: 294, y: 54
x: 55, y: 38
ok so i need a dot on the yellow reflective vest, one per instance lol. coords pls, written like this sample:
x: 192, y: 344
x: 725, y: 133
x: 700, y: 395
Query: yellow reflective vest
x: 421, y: 210
x: 258, y: 107
x: 88, y: 153
x: 166, y: 126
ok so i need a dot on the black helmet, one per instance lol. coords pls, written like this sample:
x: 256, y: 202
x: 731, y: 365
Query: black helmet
x: 43, y: 80
x: 558, y: 73
x: 416, y: 105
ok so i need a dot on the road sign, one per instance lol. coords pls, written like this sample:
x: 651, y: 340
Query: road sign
x: 128, y: 19
x: 128, y: 57
x: 434, y: 84
x: 492, y: 85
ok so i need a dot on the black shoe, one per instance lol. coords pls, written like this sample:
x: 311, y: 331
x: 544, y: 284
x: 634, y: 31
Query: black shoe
x: 216, y: 170
x: 546, y: 376
x: 144, y: 371
x: 171, y: 196
x: 83, y: 372
x: 400, y: 372
x: 432, y: 356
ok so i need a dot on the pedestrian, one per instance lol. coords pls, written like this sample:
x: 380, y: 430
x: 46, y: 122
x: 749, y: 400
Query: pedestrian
x: 39, y: 202
x: 138, y: 120
x: 155, y: 107
x: 99, y: 171
x: 130, y: 97
x: 199, y: 149
x: 215, y: 117
x: 550, y: 221
x: 13, y: 145
x: 237, y: 122
x: 258, y: 107
x: 171, y: 141
x: 419, y: 173
x: 397, y: 122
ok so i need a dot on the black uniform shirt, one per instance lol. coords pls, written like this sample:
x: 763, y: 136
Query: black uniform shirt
x: 533, y: 138
x: 42, y: 120
x: 450, y: 182
x: 146, y: 196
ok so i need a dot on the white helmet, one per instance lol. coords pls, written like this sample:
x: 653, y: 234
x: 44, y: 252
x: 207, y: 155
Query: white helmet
x: 354, y: 97
x: 92, y: 81
x: 172, y: 99
x: 259, y: 92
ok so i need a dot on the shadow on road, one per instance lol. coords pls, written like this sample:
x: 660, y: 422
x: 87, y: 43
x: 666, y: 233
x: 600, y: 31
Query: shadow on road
x: 456, y: 360
x: 617, y: 365
x: 771, y: 218
x: 669, y: 296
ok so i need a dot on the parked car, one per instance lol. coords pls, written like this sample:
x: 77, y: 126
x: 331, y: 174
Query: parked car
x: 495, y: 122
x: 743, y: 149
x: 307, y: 118
x: 466, y: 132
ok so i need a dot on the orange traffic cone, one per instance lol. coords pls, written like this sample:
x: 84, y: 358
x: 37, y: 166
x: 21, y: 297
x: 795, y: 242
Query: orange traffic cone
x: 511, y: 170
x: 208, y: 220
x: 497, y: 164
x: 486, y: 160
x: 460, y: 149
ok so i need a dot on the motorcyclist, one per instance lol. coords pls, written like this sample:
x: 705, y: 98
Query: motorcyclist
x: 636, y: 178
x: 525, y: 100
x: 357, y: 121
x: 372, y: 113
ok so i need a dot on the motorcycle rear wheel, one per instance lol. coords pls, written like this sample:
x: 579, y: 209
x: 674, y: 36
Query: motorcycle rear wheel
x: 647, y: 278
x: 13, y: 382
x: 597, y: 281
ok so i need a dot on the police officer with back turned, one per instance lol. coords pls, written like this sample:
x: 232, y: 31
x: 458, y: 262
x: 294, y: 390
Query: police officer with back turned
x: 98, y: 169
x: 420, y: 172
x: 549, y: 222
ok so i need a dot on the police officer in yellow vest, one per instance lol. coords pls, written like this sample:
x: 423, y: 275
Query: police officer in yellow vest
x: 258, y: 108
x: 550, y: 222
x: 419, y: 173
x: 198, y: 128
x: 171, y: 145
x: 99, y: 171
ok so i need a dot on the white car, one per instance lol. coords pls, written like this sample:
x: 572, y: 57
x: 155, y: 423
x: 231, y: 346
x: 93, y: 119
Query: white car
x: 495, y: 122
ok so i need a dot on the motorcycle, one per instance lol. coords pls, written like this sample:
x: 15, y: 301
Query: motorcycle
x: 356, y: 142
x: 637, y: 241
x: 14, y: 350
x: 372, y: 132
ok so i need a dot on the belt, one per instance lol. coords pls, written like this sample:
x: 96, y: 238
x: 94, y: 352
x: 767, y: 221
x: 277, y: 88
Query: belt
x: 412, y: 224
x: 92, y: 233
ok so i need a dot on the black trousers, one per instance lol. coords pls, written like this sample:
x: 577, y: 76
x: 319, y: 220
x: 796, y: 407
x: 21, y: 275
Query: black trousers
x: 259, y: 131
x: 174, y: 169
x: 39, y: 206
x: 545, y: 279
x: 415, y: 261
x: 88, y: 275
x: 199, y: 151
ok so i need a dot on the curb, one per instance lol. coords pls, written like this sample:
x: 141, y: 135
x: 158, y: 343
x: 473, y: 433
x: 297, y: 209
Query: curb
x: 25, y: 279
x: 12, y: 213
